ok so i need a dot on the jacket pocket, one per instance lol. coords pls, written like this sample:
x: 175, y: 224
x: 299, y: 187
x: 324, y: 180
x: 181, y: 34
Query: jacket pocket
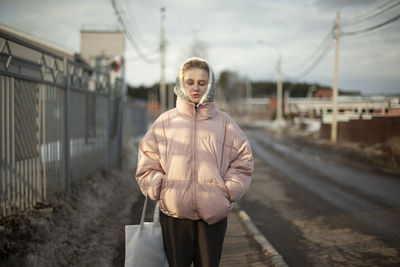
x: 213, y: 203
x: 221, y: 186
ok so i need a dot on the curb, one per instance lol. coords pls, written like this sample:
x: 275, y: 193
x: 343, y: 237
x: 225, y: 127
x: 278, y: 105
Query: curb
x: 266, y: 247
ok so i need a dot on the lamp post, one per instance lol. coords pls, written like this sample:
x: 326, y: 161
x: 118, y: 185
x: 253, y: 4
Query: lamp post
x: 279, y: 80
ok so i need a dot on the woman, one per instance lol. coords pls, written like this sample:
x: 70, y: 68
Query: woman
x: 196, y: 162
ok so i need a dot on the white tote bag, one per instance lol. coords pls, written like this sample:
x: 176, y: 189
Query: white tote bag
x: 144, y: 243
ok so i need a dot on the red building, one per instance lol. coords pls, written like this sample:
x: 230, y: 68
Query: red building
x: 323, y: 93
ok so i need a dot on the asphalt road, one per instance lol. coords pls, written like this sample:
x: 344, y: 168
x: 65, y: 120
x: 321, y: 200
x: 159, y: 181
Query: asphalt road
x: 320, y: 208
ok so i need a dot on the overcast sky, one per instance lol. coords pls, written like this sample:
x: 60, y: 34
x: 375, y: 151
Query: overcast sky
x: 369, y: 62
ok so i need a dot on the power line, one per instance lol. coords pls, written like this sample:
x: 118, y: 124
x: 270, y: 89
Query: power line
x: 371, y: 28
x: 129, y: 35
x: 315, y: 63
x: 316, y: 53
x: 371, y: 14
x: 326, y: 43
x: 131, y: 21
x: 317, y: 57
x: 135, y: 58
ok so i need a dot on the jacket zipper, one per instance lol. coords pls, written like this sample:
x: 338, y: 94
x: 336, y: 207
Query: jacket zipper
x: 193, y: 161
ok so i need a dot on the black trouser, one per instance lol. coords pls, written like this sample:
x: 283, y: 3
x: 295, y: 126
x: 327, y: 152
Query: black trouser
x: 187, y: 241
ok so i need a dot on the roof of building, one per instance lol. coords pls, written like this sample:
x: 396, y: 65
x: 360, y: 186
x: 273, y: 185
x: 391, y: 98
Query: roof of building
x: 39, y: 42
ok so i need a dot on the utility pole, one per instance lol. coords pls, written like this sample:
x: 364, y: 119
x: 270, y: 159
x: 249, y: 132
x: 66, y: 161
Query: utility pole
x: 248, y: 96
x: 335, y: 82
x: 279, y: 81
x: 286, y: 102
x: 162, y: 61
x: 279, y: 90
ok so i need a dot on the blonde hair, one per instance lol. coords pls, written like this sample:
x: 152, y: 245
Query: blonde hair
x: 195, y: 63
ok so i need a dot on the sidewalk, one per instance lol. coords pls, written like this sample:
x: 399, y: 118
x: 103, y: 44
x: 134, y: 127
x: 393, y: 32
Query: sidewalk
x: 240, y: 248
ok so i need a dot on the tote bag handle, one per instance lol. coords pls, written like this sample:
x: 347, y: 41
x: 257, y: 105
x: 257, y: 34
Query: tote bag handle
x: 156, y: 215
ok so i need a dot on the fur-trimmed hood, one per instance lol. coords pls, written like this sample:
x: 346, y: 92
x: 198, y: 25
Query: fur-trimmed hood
x: 210, y: 92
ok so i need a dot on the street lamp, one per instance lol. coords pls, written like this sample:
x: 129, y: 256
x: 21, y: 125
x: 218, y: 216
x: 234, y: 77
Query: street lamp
x: 279, y: 80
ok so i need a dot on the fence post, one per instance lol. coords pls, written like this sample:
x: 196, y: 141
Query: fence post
x: 67, y: 125
x: 121, y: 115
x: 109, y: 118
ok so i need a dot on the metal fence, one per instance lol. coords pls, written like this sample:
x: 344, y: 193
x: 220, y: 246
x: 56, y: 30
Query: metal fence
x: 60, y: 122
x: 135, y: 117
x: 365, y: 131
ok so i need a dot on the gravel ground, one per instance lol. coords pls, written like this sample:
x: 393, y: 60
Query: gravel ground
x: 85, y: 228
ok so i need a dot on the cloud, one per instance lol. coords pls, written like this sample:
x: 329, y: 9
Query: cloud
x: 230, y: 28
x: 327, y: 5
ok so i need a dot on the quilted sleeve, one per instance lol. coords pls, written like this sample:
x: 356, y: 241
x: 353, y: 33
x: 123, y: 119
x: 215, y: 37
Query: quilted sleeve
x: 238, y: 176
x: 149, y: 173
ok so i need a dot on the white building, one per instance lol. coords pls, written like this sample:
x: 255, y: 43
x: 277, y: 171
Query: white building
x: 349, y: 107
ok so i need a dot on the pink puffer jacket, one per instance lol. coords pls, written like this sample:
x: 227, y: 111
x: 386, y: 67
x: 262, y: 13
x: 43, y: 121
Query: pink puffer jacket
x: 196, y: 163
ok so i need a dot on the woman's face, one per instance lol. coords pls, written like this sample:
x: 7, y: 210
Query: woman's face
x: 195, y: 82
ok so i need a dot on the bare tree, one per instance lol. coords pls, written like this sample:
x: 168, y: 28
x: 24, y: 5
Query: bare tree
x: 197, y: 48
x: 231, y: 91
